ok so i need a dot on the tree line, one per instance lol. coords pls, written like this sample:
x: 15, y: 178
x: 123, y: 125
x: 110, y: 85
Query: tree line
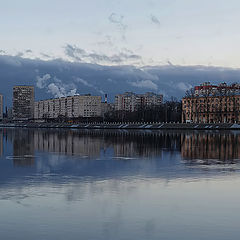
x: 170, y: 111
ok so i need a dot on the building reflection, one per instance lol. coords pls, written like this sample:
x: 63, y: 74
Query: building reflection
x: 92, y: 143
x: 23, y: 148
x: 222, y: 146
x: 89, y: 144
x: 192, y: 145
x: 66, y: 142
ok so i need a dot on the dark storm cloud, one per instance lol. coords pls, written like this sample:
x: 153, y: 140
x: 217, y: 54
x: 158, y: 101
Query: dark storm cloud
x: 58, y: 77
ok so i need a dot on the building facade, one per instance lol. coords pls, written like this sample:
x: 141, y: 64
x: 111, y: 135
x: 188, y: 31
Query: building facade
x: 131, y: 102
x: 23, y: 102
x: 207, y: 88
x: 68, y: 107
x: 212, y: 104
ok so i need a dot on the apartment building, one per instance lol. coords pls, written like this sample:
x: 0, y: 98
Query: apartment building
x: 212, y: 104
x: 207, y: 88
x: 23, y: 102
x: 131, y: 102
x: 69, y: 107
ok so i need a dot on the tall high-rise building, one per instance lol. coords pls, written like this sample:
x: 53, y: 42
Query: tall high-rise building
x: 23, y: 102
x: 1, y: 107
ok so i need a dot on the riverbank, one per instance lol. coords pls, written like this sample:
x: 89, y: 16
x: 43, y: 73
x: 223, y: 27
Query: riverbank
x: 142, y: 126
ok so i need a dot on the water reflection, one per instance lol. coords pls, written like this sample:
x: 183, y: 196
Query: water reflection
x: 224, y: 147
x: 91, y: 143
x: 118, y: 184
x: 60, y: 154
x: 213, y: 147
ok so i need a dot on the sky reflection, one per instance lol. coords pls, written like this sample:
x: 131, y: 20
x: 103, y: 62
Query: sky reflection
x: 119, y: 185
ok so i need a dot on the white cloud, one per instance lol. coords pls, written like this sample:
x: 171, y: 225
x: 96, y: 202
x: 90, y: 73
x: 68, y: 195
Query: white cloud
x: 60, y: 91
x: 184, y: 86
x: 56, y: 87
x: 80, y: 80
x: 55, y: 90
x: 84, y: 82
x: 42, y: 81
x: 145, y: 84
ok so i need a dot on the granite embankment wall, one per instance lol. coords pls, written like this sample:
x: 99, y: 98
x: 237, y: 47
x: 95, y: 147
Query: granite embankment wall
x: 141, y: 126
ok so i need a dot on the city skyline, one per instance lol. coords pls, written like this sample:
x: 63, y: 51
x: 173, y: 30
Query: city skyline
x: 119, y: 119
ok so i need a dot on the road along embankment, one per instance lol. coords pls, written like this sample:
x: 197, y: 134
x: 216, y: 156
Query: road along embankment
x: 136, y: 126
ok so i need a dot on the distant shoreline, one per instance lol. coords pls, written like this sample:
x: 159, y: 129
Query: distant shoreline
x: 128, y: 126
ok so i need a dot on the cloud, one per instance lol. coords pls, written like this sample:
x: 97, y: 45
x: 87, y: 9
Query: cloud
x: 172, y: 81
x: 111, y: 80
x: 80, y: 55
x: 41, y: 81
x: 106, y: 41
x: 44, y: 55
x: 85, y: 83
x: 80, y: 80
x: 56, y: 88
x: 19, y: 54
x: 12, y: 61
x: 184, y: 86
x: 74, y: 52
x: 155, y: 20
x: 145, y: 84
x: 117, y: 20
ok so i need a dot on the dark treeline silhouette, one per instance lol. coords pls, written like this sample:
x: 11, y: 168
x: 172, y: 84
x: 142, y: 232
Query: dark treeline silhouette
x: 170, y: 111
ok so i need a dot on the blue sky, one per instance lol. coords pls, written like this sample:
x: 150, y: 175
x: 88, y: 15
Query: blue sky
x: 138, y: 32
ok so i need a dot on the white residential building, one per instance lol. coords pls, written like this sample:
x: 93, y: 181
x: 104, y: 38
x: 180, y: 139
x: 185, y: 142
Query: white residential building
x: 70, y: 107
x: 132, y: 102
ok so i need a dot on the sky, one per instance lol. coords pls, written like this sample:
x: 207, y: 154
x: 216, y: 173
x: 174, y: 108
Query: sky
x: 126, y: 32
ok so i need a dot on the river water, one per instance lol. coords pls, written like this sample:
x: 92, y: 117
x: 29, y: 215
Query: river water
x: 100, y: 185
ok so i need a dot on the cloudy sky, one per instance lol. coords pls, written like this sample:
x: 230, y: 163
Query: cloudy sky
x: 118, y: 32
x: 67, y: 47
